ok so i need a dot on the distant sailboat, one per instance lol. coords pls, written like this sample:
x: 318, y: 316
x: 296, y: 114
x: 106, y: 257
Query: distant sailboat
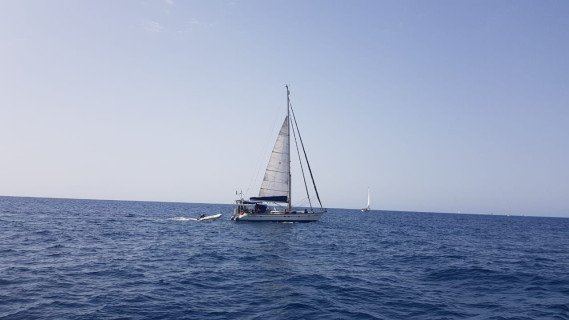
x: 276, y: 185
x: 366, y: 209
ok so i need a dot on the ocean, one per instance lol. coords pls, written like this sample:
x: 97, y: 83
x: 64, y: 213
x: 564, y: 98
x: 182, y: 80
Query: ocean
x: 91, y: 259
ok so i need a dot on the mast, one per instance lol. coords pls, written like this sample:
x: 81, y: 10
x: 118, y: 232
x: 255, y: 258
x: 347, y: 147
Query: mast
x: 288, y: 138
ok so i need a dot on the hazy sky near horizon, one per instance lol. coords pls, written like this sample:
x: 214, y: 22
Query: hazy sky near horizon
x: 435, y: 105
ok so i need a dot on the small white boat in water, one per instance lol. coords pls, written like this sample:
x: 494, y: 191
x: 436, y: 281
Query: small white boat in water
x: 276, y: 186
x: 203, y: 217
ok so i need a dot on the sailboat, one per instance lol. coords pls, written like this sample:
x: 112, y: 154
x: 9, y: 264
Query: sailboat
x: 366, y: 209
x: 274, y: 200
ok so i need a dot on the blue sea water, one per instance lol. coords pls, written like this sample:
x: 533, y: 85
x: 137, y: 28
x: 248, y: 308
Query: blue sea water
x: 87, y: 259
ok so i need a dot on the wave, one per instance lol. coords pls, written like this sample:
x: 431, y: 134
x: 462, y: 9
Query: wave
x: 182, y: 219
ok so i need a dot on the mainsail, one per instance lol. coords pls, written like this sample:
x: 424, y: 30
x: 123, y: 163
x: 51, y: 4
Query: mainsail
x: 275, y: 185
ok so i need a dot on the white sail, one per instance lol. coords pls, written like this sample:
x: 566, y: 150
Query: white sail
x: 276, y: 180
x: 367, y: 208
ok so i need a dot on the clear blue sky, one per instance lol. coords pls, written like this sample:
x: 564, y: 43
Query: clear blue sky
x: 435, y: 105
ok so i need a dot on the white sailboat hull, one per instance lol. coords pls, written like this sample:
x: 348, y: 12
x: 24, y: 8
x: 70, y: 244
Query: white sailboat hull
x: 279, y: 216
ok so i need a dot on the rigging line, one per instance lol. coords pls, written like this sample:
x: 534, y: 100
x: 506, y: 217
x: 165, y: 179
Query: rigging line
x: 301, y: 166
x: 305, y: 156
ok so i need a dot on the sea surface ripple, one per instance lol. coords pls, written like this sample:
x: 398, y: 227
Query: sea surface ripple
x: 88, y: 259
